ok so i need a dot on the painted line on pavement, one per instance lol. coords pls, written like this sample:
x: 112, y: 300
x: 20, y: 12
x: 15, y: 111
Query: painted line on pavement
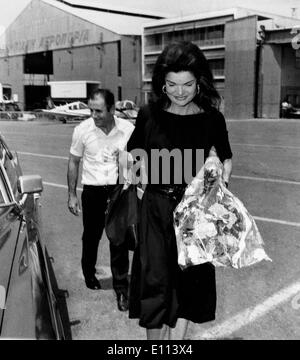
x: 58, y: 185
x: 260, y: 120
x: 37, y: 134
x: 249, y: 315
x: 276, y: 221
x: 289, y: 182
x: 268, y: 146
x: 43, y: 155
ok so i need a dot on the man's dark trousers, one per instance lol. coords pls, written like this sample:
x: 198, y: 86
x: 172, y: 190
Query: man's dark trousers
x: 94, y: 203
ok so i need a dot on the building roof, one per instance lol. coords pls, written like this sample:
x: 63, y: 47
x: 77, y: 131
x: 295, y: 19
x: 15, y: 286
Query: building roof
x: 236, y: 12
x: 107, y: 6
x: 121, y: 24
x: 187, y: 18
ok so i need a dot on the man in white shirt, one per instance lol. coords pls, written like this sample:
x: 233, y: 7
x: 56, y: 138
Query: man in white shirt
x: 98, y: 141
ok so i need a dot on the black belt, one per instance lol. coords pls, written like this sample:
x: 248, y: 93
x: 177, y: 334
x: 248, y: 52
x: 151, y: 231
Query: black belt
x: 102, y: 187
x: 174, y: 192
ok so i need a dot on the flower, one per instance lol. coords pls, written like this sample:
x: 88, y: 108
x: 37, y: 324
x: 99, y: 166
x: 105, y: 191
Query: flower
x: 193, y: 253
x: 205, y: 229
x: 182, y: 259
x: 218, y: 210
x: 214, y: 226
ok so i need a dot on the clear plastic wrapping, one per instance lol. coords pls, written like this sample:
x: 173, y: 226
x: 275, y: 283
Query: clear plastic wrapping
x: 212, y: 225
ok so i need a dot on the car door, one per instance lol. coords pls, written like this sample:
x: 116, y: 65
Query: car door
x: 29, y: 307
x: 11, y: 224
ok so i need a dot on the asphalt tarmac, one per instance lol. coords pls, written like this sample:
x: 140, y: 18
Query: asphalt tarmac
x: 258, y: 302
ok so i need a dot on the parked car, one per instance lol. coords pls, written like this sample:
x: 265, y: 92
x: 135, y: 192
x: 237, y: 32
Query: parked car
x: 28, y: 306
x: 294, y: 113
x: 9, y: 106
x: 126, y: 109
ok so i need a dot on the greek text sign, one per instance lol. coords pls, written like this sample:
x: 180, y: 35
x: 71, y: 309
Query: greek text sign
x: 55, y: 41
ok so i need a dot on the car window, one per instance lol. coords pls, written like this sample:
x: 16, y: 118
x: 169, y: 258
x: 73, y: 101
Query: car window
x: 10, y: 168
x: 4, y: 192
x: 9, y: 173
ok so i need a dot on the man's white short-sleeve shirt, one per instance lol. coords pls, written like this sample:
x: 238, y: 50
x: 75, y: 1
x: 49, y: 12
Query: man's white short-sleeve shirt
x: 88, y: 142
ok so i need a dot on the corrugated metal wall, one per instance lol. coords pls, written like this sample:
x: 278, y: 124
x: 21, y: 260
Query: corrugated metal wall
x: 11, y: 72
x: 240, y: 42
x: 270, y: 84
x: 131, y: 68
x: 44, y: 27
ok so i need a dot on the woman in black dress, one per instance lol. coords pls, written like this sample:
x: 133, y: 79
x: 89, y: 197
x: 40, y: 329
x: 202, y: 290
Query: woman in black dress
x: 183, y: 116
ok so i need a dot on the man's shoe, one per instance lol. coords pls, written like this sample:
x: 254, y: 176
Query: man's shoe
x: 93, y: 283
x: 122, y: 301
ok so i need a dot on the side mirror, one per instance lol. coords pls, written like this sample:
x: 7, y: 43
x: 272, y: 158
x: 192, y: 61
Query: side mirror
x: 29, y: 184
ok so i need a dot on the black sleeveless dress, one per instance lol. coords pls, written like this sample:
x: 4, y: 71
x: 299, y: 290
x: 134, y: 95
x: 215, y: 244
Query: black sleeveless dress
x: 160, y: 292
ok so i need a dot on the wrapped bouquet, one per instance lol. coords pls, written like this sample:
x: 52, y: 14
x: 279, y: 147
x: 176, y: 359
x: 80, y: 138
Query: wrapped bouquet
x: 213, y: 225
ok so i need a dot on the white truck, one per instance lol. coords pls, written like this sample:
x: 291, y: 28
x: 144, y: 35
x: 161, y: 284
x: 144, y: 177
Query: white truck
x: 8, y: 101
x: 70, y: 91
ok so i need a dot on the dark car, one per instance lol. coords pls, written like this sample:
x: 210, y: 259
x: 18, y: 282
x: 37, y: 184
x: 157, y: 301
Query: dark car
x: 9, y: 106
x: 294, y: 113
x: 28, y: 306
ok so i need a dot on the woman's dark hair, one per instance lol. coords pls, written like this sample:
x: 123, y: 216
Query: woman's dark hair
x: 107, y: 95
x: 185, y: 56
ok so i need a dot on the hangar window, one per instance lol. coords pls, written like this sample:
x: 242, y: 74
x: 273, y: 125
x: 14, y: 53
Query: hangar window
x: 38, y: 63
x: 155, y: 42
x: 217, y: 67
x: 119, y: 58
x: 119, y: 93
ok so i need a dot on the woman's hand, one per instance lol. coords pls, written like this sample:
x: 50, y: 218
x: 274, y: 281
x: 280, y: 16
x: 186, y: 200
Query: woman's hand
x: 212, y: 152
x: 227, y: 169
x: 227, y: 166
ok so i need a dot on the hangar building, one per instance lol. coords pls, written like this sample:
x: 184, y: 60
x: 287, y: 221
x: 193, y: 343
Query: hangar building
x: 59, y: 41
x: 254, y: 55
